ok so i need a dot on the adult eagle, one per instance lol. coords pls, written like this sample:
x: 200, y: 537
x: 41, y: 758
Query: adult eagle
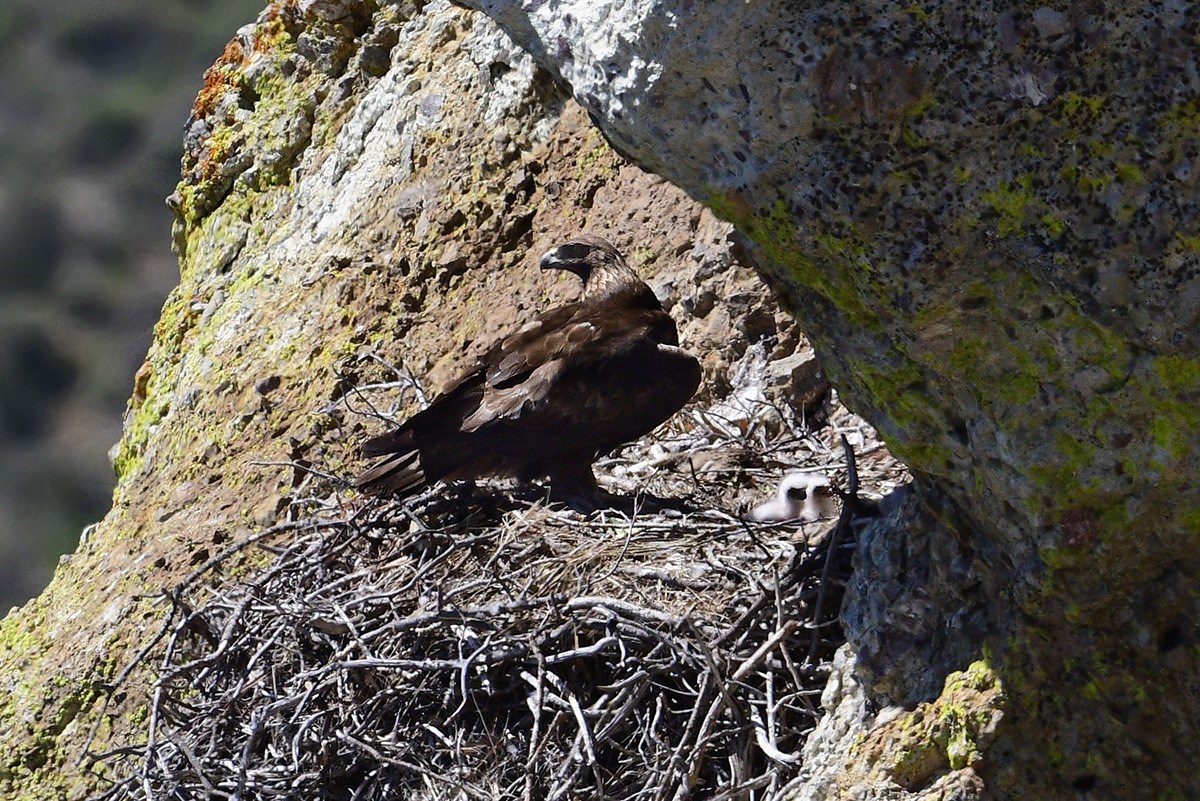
x: 547, y: 400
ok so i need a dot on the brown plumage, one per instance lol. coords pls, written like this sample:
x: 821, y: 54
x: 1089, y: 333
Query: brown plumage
x: 547, y: 400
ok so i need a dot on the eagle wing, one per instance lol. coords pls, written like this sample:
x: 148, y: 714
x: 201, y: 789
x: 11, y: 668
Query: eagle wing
x: 500, y: 373
x: 520, y: 372
x: 551, y: 361
x: 543, y: 340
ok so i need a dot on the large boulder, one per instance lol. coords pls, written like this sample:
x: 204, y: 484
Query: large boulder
x: 988, y: 218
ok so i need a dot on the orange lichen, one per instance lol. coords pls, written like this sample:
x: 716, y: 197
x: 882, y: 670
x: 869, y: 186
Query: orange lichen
x: 221, y: 77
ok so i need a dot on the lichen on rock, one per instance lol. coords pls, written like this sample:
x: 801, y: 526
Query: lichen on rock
x: 984, y: 217
x: 342, y: 211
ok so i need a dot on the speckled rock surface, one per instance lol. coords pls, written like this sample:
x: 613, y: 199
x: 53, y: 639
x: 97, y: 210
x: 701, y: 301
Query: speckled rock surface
x: 989, y: 218
x: 853, y: 753
x: 362, y: 183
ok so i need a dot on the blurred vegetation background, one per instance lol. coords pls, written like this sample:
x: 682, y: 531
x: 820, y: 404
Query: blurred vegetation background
x: 93, y: 100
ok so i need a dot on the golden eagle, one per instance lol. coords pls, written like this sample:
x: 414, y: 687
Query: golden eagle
x: 547, y: 400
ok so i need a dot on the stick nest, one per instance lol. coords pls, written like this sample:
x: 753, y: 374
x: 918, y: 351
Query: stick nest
x: 481, y: 645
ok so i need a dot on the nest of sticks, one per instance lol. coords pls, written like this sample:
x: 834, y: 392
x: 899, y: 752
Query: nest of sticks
x: 482, y: 645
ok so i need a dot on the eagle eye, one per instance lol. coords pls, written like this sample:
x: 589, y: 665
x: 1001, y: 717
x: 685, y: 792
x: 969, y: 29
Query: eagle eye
x: 573, y: 251
x: 797, y: 493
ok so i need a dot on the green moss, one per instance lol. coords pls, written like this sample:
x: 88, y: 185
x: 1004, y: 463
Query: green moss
x: 1009, y: 201
x: 1077, y: 483
x: 966, y: 223
x: 844, y: 265
x: 1178, y: 374
x: 137, y: 433
x: 1079, y: 454
x: 210, y: 246
x: 898, y: 385
x: 273, y: 36
x: 848, y: 251
x: 917, y: 13
x: 979, y: 675
x: 921, y: 106
x: 913, y: 140
x: 1185, y: 115
x: 1191, y: 244
x: 221, y: 145
x: 1094, y: 184
x: 1076, y: 107
x: 961, y: 749
x: 57, y: 701
x: 969, y: 356
x: 951, y: 732
x: 917, y: 761
x: 1018, y: 389
x: 1175, y: 406
x: 283, y: 109
x: 961, y: 175
x: 1130, y: 174
x: 1165, y: 435
x: 595, y: 159
x: 18, y: 633
x: 644, y: 256
x: 1053, y: 226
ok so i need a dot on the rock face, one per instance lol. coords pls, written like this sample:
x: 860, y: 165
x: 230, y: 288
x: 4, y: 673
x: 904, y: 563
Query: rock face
x: 989, y: 220
x: 363, y: 184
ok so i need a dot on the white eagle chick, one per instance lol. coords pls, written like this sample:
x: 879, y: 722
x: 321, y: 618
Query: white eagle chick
x: 802, y: 496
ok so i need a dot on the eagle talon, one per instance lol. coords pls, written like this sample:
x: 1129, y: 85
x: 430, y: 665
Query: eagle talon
x: 588, y: 502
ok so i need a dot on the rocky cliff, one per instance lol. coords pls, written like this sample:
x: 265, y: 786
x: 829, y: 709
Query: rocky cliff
x: 91, y: 100
x: 986, y: 220
x: 366, y: 190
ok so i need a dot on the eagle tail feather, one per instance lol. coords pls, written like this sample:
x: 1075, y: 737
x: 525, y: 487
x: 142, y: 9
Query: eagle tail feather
x: 401, y: 473
x: 398, y: 441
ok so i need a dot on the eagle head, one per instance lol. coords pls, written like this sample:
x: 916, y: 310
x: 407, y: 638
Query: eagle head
x: 594, y: 259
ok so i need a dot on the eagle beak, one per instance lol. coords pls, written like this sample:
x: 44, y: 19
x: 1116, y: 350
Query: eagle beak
x: 552, y: 260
